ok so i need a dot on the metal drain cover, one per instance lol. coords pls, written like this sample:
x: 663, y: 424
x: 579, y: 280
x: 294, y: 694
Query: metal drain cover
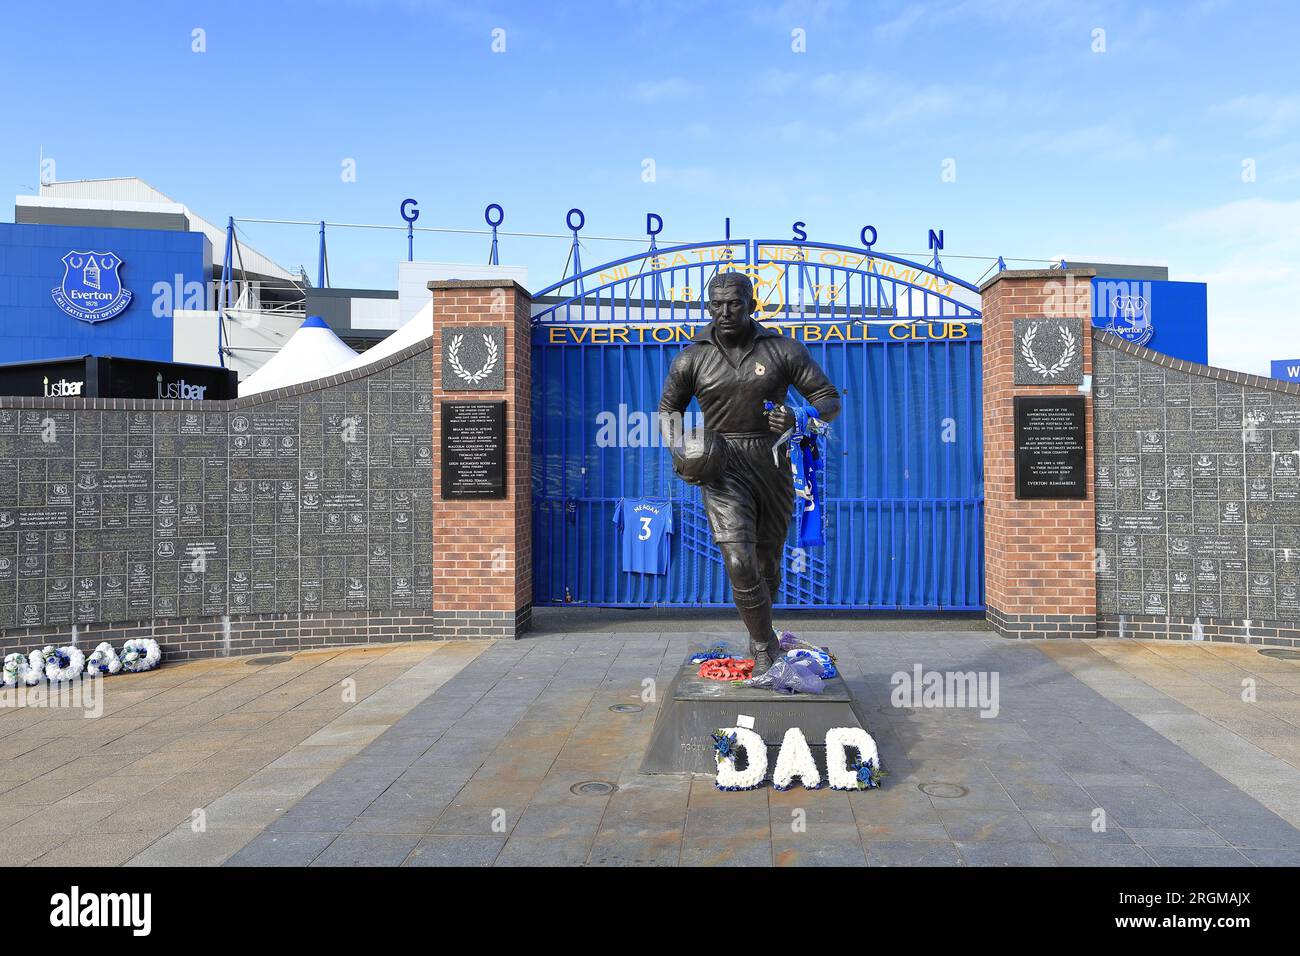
x: 592, y: 788
x: 272, y: 659
x: 938, y: 788
x: 1281, y: 653
x: 627, y: 708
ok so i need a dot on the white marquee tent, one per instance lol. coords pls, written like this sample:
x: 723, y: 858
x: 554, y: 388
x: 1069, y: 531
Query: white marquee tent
x: 312, y: 352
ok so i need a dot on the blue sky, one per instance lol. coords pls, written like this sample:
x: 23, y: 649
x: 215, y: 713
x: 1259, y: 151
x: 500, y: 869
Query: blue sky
x: 1135, y: 152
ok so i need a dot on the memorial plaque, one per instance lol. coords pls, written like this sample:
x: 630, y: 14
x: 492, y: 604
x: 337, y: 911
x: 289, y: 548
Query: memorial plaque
x: 1050, y: 447
x: 473, y: 449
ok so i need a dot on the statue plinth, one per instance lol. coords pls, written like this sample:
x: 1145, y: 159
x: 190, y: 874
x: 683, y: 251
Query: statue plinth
x: 695, y: 707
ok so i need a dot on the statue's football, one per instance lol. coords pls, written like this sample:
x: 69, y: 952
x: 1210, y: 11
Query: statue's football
x: 701, y: 456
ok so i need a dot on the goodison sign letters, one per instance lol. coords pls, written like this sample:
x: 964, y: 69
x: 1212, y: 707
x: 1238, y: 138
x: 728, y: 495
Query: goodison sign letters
x: 91, y: 289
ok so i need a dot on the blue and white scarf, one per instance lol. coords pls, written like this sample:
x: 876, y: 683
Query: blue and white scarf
x: 808, y: 463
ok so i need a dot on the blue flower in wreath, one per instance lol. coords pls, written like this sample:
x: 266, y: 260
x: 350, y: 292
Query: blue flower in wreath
x: 868, y: 775
x: 724, y: 745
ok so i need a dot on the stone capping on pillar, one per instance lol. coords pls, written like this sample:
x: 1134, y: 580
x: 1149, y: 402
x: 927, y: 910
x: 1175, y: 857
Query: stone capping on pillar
x: 1006, y: 274
x: 1040, y: 578
x: 482, y: 548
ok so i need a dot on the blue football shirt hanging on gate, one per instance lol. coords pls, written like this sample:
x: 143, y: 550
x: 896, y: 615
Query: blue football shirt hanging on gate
x: 807, y: 440
x: 646, y: 525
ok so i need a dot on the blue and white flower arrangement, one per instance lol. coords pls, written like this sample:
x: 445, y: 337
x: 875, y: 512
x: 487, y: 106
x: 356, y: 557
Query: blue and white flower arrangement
x: 863, y: 772
x: 867, y: 774
x: 63, y: 663
x: 821, y: 657
x: 69, y: 662
x: 103, y: 660
x: 35, y: 667
x: 15, y: 670
x: 728, y: 743
x: 140, y: 654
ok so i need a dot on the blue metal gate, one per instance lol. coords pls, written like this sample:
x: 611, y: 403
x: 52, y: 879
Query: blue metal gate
x: 905, y: 487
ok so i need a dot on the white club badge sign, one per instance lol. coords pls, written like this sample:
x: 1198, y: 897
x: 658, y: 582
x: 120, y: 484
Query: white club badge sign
x: 471, y: 358
x: 1048, y: 352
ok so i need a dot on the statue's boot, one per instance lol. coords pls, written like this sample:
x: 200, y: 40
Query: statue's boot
x: 755, y: 607
x: 764, y: 654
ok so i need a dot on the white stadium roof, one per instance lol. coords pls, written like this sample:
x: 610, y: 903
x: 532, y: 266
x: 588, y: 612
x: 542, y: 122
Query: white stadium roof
x: 130, y: 194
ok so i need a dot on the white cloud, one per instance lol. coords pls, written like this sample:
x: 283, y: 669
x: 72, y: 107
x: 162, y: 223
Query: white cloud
x: 1251, y: 250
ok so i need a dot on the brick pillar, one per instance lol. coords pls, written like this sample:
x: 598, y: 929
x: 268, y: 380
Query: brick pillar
x: 1040, y: 578
x: 482, y: 548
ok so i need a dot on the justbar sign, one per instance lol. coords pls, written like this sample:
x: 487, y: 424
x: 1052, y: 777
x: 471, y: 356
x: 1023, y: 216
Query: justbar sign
x: 180, y: 389
x: 61, y: 388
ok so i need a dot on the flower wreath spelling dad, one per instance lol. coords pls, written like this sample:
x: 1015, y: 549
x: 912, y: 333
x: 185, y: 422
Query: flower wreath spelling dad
x: 58, y: 664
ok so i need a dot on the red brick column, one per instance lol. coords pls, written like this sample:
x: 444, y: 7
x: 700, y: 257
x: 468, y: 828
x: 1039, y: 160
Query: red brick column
x: 482, y: 549
x: 1039, y: 572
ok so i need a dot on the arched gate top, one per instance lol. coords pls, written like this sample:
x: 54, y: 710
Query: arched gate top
x: 793, y: 280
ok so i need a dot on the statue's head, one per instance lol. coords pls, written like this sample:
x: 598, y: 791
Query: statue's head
x: 731, y: 300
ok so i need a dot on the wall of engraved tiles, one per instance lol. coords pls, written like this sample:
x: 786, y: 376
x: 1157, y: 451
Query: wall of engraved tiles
x: 1198, y: 494
x: 318, y: 502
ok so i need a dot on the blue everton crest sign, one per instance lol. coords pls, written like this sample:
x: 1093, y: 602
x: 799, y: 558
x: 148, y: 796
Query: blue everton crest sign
x: 1123, y: 308
x: 1132, y: 318
x: 91, y: 289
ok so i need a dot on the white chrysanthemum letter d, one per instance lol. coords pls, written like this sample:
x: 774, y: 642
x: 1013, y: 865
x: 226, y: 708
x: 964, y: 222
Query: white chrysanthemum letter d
x: 729, y: 778
x: 839, y: 772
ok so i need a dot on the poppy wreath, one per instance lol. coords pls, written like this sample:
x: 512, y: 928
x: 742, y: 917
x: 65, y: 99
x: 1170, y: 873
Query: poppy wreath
x: 727, y: 669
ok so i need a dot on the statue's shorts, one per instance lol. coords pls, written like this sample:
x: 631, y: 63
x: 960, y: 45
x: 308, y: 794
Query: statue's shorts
x: 753, y: 500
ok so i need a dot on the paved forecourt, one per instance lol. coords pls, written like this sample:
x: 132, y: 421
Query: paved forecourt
x: 504, y: 754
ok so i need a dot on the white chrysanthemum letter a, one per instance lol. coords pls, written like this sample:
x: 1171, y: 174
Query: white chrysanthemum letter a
x: 795, y: 760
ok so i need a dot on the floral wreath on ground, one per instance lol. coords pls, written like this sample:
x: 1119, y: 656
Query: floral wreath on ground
x: 864, y: 771
x: 795, y: 759
x: 18, y: 671
x: 728, y: 742
x: 69, y: 662
x: 140, y: 654
x: 63, y: 663
x: 103, y: 660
